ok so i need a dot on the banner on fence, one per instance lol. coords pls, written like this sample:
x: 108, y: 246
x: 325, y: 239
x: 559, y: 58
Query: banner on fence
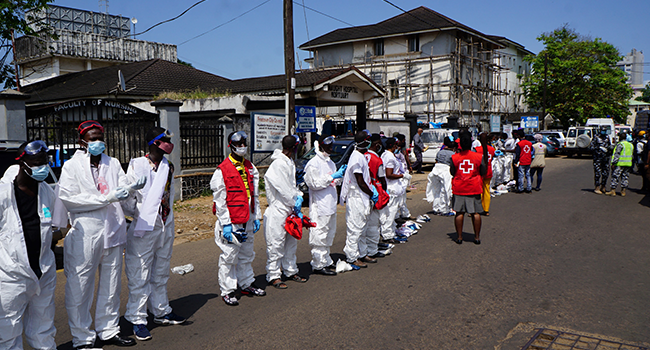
x: 268, y: 130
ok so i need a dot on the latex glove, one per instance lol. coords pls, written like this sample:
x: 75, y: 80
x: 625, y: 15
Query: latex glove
x: 339, y: 173
x: 117, y: 194
x: 298, y: 205
x: 375, y: 194
x: 227, y: 233
x: 388, y: 193
x: 256, y: 226
x: 299, y: 215
x: 138, y: 184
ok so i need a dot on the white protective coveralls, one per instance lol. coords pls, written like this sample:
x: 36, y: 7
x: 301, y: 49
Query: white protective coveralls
x: 397, y: 189
x: 95, y: 241
x: 10, y: 174
x: 235, y: 261
x: 26, y: 302
x: 439, y: 188
x: 281, y: 192
x: 322, y: 208
x: 357, y: 204
x: 149, y: 242
x: 369, y: 245
x: 403, y: 211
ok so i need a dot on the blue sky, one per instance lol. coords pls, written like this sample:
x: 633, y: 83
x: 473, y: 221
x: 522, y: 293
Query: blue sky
x: 252, y: 45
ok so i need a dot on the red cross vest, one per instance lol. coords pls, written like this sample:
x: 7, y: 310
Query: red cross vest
x: 467, y: 181
x: 374, y: 162
x: 525, y: 154
x: 236, y: 198
x: 479, y: 150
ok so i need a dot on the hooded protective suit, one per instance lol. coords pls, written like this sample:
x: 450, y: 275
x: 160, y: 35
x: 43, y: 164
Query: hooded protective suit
x: 397, y: 190
x: 281, y: 192
x: 322, y: 208
x: 149, y: 240
x: 95, y: 241
x: 368, y: 244
x: 235, y: 261
x: 403, y: 210
x: 10, y: 174
x: 26, y: 302
x: 358, y: 204
x: 439, y: 188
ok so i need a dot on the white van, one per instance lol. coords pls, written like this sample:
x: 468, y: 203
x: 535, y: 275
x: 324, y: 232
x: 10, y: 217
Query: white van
x: 608, y: 123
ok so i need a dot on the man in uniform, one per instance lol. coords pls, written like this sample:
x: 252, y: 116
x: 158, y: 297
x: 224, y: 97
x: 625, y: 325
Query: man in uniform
x: 621, y: 164
x: 600, y: 147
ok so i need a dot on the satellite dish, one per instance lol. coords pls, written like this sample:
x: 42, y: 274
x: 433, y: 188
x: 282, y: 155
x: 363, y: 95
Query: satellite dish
x: 134, y: 20
x: 120, y: 80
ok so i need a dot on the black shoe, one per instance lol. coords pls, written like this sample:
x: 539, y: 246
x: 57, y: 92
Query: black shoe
x: 477, y: 241
x: 528, y: 191
x: 459, y: 241
x: 326, y: 271
x: 119, y: 341
x: 86, y: 346
x: 419, y: 172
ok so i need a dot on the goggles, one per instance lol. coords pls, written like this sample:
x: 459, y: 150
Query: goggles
x: 238, y: 136
x: 328, y: 140
x: 165, y: 134
x: 34, y: 148
x: 297, y: 139
x: 89, y: 124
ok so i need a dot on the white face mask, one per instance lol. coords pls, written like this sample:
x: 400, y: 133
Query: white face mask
x: 240, y: 151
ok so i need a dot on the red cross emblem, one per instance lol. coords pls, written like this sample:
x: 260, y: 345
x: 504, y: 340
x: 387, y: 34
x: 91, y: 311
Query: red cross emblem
x: 526, y: 149
x: 466, y: 166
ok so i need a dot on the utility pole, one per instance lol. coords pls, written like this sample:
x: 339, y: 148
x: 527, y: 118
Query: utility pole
x: 544, y: 96
x: 13, y: 45
x: 289, y: 66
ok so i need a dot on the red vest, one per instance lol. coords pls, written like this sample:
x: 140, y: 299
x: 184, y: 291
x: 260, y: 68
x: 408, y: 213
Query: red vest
x: 479, y: 150
x: 236, y: 198
x: 374, y: 162
x: 525, y: 154
x: 467, y: 181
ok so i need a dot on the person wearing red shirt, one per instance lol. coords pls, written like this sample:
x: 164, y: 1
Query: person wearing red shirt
x: 524, y: 154
x: 485, y: 197
x: 467, y: 169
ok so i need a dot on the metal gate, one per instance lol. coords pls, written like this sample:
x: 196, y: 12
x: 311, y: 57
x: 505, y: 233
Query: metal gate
x: 125, y: 127
x: 202, y: 139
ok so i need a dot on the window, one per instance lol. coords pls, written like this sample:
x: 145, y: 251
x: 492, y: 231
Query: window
x: 394, y: 88
x: 379, y: 47
x: 414, y: 43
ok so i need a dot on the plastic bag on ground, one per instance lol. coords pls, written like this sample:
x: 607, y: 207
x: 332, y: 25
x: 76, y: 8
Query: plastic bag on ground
x: 342, y: 266
x: 183, y: 269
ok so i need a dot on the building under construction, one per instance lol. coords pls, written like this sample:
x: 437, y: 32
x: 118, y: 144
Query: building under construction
x: 430, y: 66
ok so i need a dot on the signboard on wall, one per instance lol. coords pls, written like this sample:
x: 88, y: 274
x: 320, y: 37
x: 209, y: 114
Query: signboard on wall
x: 268, y: 130
x: 530, y: 122
x: 495, y: 123
x: 508, y: 129
x: 343, y: 93
x: 306, y: 118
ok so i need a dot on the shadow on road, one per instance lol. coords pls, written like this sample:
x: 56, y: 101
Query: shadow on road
x: 467, y: 237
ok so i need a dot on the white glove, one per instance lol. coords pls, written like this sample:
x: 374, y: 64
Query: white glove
x: 138, y: 184
x: 117, y: 194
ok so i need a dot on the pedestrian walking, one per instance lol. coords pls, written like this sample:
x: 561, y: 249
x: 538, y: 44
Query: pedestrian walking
x: 621, y: 164
x: 539, y: 162
x: 150, y: 238
x: 27, y: 265
x: 601, y: 147
x: 235, y: 187
x: 418, y: 148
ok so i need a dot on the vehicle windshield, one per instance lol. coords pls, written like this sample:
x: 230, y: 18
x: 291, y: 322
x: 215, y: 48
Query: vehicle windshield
x: 337, y: 152
x: 433, y: 137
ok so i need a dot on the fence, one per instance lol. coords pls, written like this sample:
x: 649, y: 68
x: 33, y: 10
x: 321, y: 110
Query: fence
x: 202, y: 139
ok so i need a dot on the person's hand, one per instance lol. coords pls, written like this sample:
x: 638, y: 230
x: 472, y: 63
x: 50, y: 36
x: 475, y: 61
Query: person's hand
x: 117, y: 194
x: 256, y: 226
x: 298, y: 206
x: 139, y: 183
x: 227, y: 233
x: 375, y: 194
x: 339, y: 173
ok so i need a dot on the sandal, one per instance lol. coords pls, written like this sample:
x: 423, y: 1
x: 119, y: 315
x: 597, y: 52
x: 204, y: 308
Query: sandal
x: 297, y: 278
x: 277, y: 283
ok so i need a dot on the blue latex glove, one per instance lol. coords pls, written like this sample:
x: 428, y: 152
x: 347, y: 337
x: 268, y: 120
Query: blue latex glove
x: 375, y: 194
x: 339, y: 173
x: 388, y: 193
x: 227, y: 233
x: 299, y: 215
x: 256, y: 226
x: 298, y: 205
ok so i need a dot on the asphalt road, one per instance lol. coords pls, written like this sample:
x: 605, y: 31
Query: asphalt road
x: 561, y: 257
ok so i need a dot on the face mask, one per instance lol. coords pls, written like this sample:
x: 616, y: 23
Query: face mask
x: 39, y: 173
x: 379, y: 149
x: 166, y: 147
x: 629, y: 138
x: 363, y: 145
x: 240, y: 151
x: 96, y: 147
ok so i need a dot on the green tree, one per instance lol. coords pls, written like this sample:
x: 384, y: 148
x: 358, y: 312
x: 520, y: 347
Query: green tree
x: 645, y: 94
x: 581, y: 78
x: 14, y: 17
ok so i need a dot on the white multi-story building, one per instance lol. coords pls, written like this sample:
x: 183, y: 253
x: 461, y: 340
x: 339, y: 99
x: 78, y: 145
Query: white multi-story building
x: 430, y: 66
x: 632, y: 64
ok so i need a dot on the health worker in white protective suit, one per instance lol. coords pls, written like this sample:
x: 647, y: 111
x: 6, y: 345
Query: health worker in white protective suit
x: 369, y: 245
x: 406, y: 171
x: 358, y: 195
x: 284, y: 198
x: 396, y: 188
x: 235, y: 184
x: 91, y: 186
x: 439, y: 180
x: 10, y: 174
x: 27, y: 266
x: 150, y: 238
x: 322, y: 178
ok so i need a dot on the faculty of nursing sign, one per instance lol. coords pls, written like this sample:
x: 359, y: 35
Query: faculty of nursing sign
x: 268, y: 131
x: 306, y: 118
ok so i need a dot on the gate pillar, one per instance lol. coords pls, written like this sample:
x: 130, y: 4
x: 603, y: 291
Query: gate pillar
x: 169, y: 114
x: 13, y: 123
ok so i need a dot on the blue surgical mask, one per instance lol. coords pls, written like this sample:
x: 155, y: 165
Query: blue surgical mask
x: 96, y: 147
x: 629, y: 138
x: 39, y: 173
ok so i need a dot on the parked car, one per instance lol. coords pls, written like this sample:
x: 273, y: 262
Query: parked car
x: 433, y: 139
x: 552, y: 144
x: 575, y: 146
x: 341, y: 151
x: 557, y: 134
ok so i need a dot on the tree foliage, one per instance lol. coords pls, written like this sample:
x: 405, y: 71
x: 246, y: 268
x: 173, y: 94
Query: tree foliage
x: 645, y: 94
x: 13, y: 16
x: 582, y: 80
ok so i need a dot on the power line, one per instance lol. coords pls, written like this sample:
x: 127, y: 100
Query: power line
x: 408, y: 13
x: 223, y: 24
x: 324, y: 14
x: 171, y: 19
